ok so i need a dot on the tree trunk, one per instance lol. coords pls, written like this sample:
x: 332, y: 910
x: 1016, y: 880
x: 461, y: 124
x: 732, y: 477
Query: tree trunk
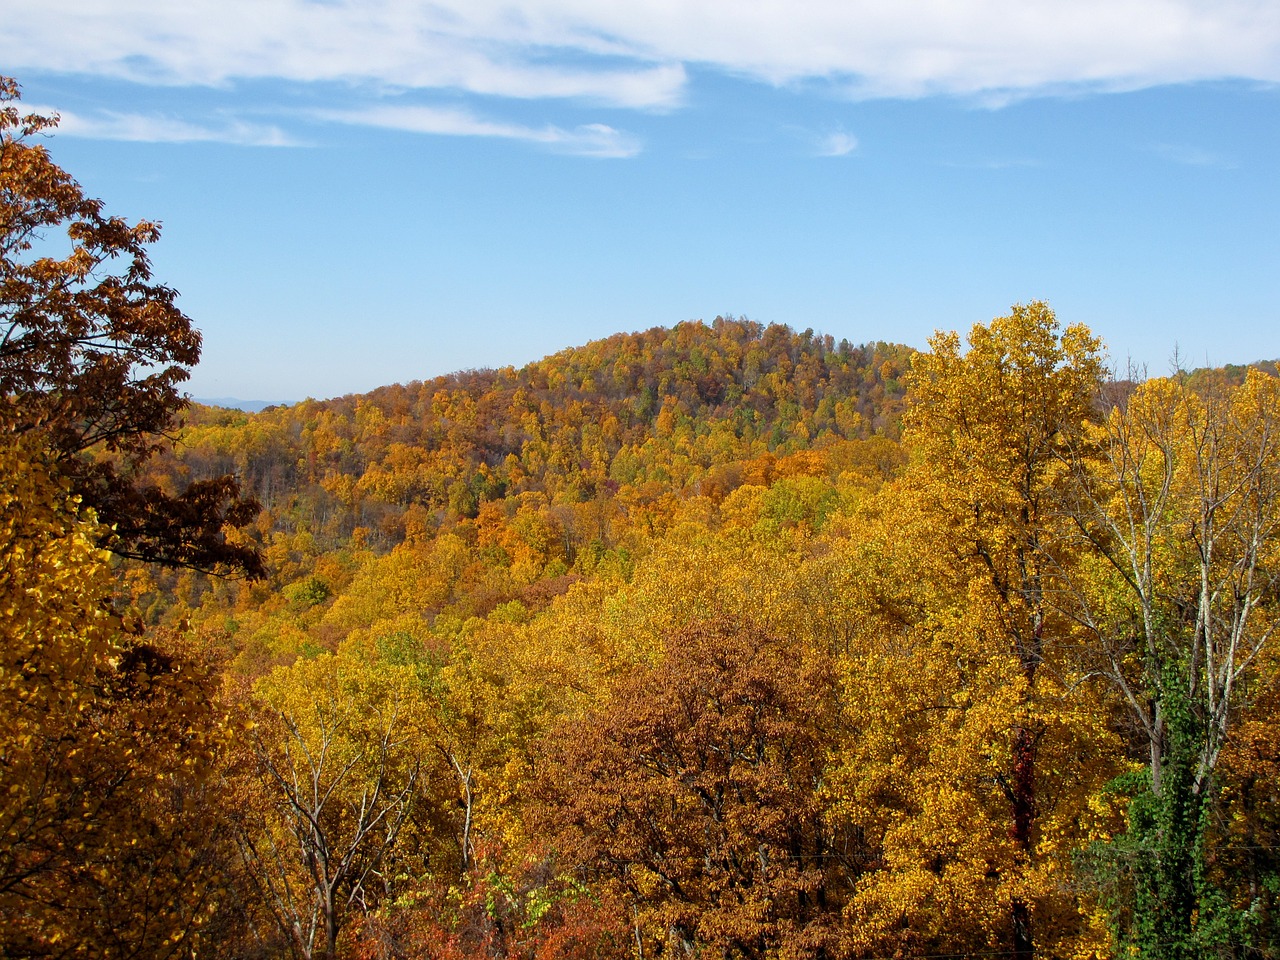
x: 1023, y: 796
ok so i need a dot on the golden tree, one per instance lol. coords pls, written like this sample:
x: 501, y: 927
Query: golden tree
x: 338, y: 764
x: 108, y: 843
x: 963, y: 558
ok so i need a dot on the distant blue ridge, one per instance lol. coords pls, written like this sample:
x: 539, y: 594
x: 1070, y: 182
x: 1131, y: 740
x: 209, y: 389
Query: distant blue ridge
x: 249, y: 406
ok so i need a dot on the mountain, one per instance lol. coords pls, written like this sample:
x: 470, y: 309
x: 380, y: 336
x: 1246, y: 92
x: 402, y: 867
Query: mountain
x: 539, y: 474
x: 675, y: 406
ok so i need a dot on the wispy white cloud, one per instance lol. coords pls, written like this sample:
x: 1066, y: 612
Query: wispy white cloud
x: 479, y: 48
x: 838, y: 144
x: 590, y: 140
x: 634, y: 54
x: 152, y: 128
x: 1192, y: 156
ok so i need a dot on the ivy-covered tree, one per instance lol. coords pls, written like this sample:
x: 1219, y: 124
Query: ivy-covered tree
x: 1178, y: 495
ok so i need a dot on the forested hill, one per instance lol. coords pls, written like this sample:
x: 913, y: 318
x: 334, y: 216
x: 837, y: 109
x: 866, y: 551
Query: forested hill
x: 516, y: 483
x: 676, y: 406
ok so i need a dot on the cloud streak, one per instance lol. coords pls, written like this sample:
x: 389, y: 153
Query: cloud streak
x: 589, y: 140
x: 634, y: 55
x: 153, y: 128
x: 1190, y: 156
x: 396, y: 43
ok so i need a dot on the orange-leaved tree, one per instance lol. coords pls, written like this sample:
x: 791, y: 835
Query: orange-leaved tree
x: 91, y: 355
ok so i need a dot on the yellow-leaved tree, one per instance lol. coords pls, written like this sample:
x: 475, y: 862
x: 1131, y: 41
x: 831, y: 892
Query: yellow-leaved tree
x: 334, y: 803
x: 977, y: 754
x: 1178, y: 496
x: 107, y: 840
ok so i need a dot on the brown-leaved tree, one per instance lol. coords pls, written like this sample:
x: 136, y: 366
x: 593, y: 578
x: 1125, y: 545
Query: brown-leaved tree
x: 698, y: 790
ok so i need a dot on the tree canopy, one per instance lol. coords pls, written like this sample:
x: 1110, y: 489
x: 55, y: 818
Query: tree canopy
x: 92, y: 352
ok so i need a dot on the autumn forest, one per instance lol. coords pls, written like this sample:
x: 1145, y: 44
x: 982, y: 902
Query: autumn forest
x: 722, y: 641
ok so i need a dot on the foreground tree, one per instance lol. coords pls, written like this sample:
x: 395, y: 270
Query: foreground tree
x: 697, y: 790
x: 333, y: 794
x: 108, y: 840
x: 938, y: 701
x: 1179, y: 498
x: 992, y: 427
x: 92, y: 352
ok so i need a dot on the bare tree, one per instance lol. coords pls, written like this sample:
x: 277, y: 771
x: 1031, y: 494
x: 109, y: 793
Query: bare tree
x: 337, y: 754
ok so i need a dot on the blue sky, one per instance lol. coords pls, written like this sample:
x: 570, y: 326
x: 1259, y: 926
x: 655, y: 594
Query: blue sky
x: 360, y: 192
